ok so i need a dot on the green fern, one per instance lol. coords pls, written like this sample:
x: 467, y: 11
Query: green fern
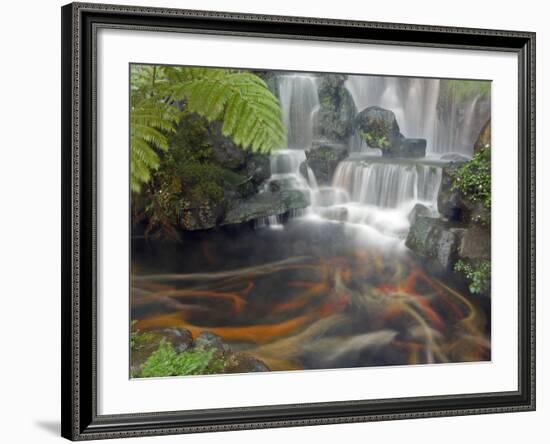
x: 250, y: 113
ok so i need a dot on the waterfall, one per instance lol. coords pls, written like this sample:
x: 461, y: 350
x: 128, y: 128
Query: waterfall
x: 299, y: 102
x: 449, y: 126
x: 388, y: 185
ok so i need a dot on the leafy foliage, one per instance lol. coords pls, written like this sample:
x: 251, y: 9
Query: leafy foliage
x: 478, y: 273
x: 151, y: 119
x: 165, y: 361
x: 464, y: 89
x: 375, y: 139
x: 139, y: 339
x: 189, y: 172
x: 473, y: 178
x: 161, y: 95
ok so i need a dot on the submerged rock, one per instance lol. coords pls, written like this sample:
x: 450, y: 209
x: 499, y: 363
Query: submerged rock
x: 323, y: 161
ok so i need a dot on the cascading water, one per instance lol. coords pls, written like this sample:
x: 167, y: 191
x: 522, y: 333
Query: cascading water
x: 388, y: 185
x: 368, y: 190
x: 449, y: 126
x: 299, y: 102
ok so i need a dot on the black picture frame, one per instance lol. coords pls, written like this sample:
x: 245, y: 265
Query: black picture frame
x: 79, y: 386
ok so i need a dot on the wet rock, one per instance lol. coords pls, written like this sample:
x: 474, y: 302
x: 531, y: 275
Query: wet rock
x: 418, y: 210
x: 407, y: 149
x: 180, y: 338
x: 323, y: 160
x: 450, y: 202
x: 244, y: 363
x: 258, y: 168
x: 265, y: 204
x: 284, y: 183
x: 208, y: 340
x: 454, y: 157
x: 433, y: 238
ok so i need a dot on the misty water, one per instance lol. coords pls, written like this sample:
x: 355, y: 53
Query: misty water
x: 332, y: 285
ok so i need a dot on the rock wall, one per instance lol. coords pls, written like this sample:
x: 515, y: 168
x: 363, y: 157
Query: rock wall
x: 463, y: 229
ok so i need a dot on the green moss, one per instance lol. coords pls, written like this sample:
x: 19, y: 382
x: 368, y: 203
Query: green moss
x: 165, y: 361
x: 326, y: 154
x: 473, y: 178
x: 478, y: 274
x: 139, y: 339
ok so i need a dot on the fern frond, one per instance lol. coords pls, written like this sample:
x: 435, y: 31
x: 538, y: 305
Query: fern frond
x: 250, y: 113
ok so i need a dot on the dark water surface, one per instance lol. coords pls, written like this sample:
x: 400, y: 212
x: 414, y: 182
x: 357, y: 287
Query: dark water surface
x: 311, y: 295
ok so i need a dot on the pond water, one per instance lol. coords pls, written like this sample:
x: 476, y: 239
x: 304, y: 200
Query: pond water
x: 314, y: 294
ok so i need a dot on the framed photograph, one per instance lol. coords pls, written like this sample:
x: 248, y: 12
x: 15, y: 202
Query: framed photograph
x: 280, y: 221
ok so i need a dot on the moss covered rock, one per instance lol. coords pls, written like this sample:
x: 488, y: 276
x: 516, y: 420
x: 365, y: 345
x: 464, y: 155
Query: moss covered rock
x: 336, y: 108
x: 323, y: 161
x: 378, y: 127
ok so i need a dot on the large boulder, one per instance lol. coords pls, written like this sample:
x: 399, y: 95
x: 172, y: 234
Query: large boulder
x: 433, y: 238
x: 323, y: 160
x: 336, y: 108
x: 378, y: 127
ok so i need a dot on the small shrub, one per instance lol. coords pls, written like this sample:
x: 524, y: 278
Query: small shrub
x: 375, y: 139
x: 473, y: 178
x: 478, y: 274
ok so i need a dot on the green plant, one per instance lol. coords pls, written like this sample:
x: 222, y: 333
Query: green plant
x: 473, y: 178
x: 464, y: 89
x: 161, y: 95
x: 478, y: 274
x: 165, y: 361
x: 375, y: 139
x: 139, y: 339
